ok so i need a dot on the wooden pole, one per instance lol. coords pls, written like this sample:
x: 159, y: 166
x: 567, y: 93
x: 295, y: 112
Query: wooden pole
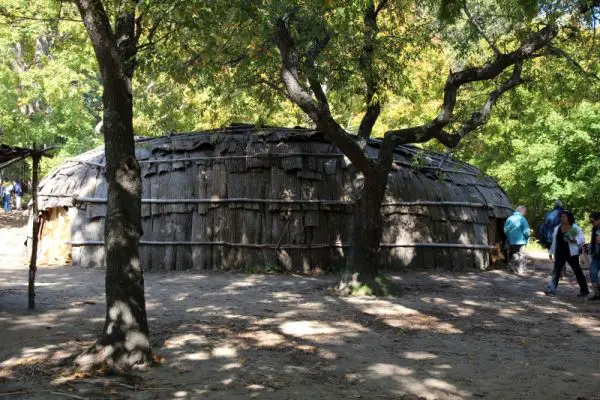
x: 36, y: 227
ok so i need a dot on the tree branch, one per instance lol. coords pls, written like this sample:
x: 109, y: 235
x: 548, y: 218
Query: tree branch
x: 17, y: 17
x: 482, y: 116
x: 480, y: 30
x: 588, y: 5
x: 478, y: 118
x: 490, y: 70
x: 436, y: 128
x: 273, y: 86
x: 382, y: 4
x: 317, y: 110
x: 127, y: 37
x: 104, y: 42
x: 153, y: 29
x: 555, y: 51
x: 289, y: 70
x: 318, y: 45
x: 365, y: 64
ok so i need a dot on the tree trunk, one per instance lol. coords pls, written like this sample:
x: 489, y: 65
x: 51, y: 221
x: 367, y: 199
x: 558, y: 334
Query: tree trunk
x: 362, y: 266
x: 36, y: 228
x: 124, y: 341
x: 126, y: 326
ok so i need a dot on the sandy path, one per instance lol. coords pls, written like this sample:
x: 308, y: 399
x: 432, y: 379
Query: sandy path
x: 229, y: 336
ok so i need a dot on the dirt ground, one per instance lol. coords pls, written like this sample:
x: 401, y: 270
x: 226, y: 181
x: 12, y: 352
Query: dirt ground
x: 488, y: 335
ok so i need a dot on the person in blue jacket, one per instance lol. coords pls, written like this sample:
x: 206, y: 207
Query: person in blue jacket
x: 516, y: 229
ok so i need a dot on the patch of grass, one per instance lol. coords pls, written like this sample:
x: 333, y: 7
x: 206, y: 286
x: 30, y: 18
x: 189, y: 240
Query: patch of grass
x: 361, y: 290
x: 535, y: 245
x: 381, y: 285
x: 267, y: 269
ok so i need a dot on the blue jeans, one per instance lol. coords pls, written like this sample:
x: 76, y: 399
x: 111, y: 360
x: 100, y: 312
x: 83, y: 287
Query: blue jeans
x: 594, y: 270
x: 6, y: 203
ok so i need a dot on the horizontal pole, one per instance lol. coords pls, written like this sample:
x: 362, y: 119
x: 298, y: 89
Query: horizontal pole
x: 102, y: 200
x: 292, y: 201
x: 290, y: 246
x: 276, y: 155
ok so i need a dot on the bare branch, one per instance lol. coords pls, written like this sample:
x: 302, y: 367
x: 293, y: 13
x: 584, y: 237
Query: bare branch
x: 480, y: 30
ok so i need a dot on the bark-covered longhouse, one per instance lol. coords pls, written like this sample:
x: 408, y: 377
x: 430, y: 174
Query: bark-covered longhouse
x: 249, y: 197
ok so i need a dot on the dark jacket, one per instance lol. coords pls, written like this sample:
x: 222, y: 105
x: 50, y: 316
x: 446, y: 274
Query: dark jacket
x: 595, y: 247
x: 551, y: 221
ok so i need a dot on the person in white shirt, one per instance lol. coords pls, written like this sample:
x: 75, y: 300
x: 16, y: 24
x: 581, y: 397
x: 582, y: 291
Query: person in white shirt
x: 566, y: 246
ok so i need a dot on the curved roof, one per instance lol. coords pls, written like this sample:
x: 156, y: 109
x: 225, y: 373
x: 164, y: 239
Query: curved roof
x: 428, y: 176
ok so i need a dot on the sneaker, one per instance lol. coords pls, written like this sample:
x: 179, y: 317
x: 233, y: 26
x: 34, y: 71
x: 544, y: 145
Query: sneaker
x: 594, y: 296
x: 583, y: 294
x: 548, y: 292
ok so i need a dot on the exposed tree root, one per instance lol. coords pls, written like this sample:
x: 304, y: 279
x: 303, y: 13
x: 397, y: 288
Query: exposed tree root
x: 115, y: 358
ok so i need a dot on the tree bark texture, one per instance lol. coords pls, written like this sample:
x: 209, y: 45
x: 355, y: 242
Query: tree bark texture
x: 35, y: 230
x: 367, y: 229
x: 124, y: 341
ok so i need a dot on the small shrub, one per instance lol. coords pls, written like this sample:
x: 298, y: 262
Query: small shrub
x: 267, y: 269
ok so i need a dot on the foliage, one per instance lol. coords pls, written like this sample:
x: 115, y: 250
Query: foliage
x: 50, y: 93
x: 542, y: 144
x: 213, y: 63
x: 381, y: 286
x: 266, y: 269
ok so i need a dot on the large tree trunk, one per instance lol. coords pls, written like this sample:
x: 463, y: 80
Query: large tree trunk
x: 362, y: 266
x: 124, y: 341
x: 126, y: 327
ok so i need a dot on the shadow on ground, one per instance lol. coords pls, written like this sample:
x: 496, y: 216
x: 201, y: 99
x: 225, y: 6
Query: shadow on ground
x: 452, y: 336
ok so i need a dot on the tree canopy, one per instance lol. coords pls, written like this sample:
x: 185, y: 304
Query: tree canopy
x: 211, y: 63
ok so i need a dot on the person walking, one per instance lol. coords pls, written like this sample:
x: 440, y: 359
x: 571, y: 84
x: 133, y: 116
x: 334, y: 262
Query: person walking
x: 551, y: 221
x: 2, y: 193
x: 18, y: 194
x: 516, y: 229
x: 568, y: 239
x: 595, y: 255
x: 6, y: 198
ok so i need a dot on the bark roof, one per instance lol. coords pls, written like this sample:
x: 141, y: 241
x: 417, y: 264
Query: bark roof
x: 426, y: 171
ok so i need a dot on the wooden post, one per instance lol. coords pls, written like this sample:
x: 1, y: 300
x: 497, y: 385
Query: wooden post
x: 36, y: 227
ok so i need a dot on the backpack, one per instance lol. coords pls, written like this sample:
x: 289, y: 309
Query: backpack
x: 1, y: 191
x: 17, y: 189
